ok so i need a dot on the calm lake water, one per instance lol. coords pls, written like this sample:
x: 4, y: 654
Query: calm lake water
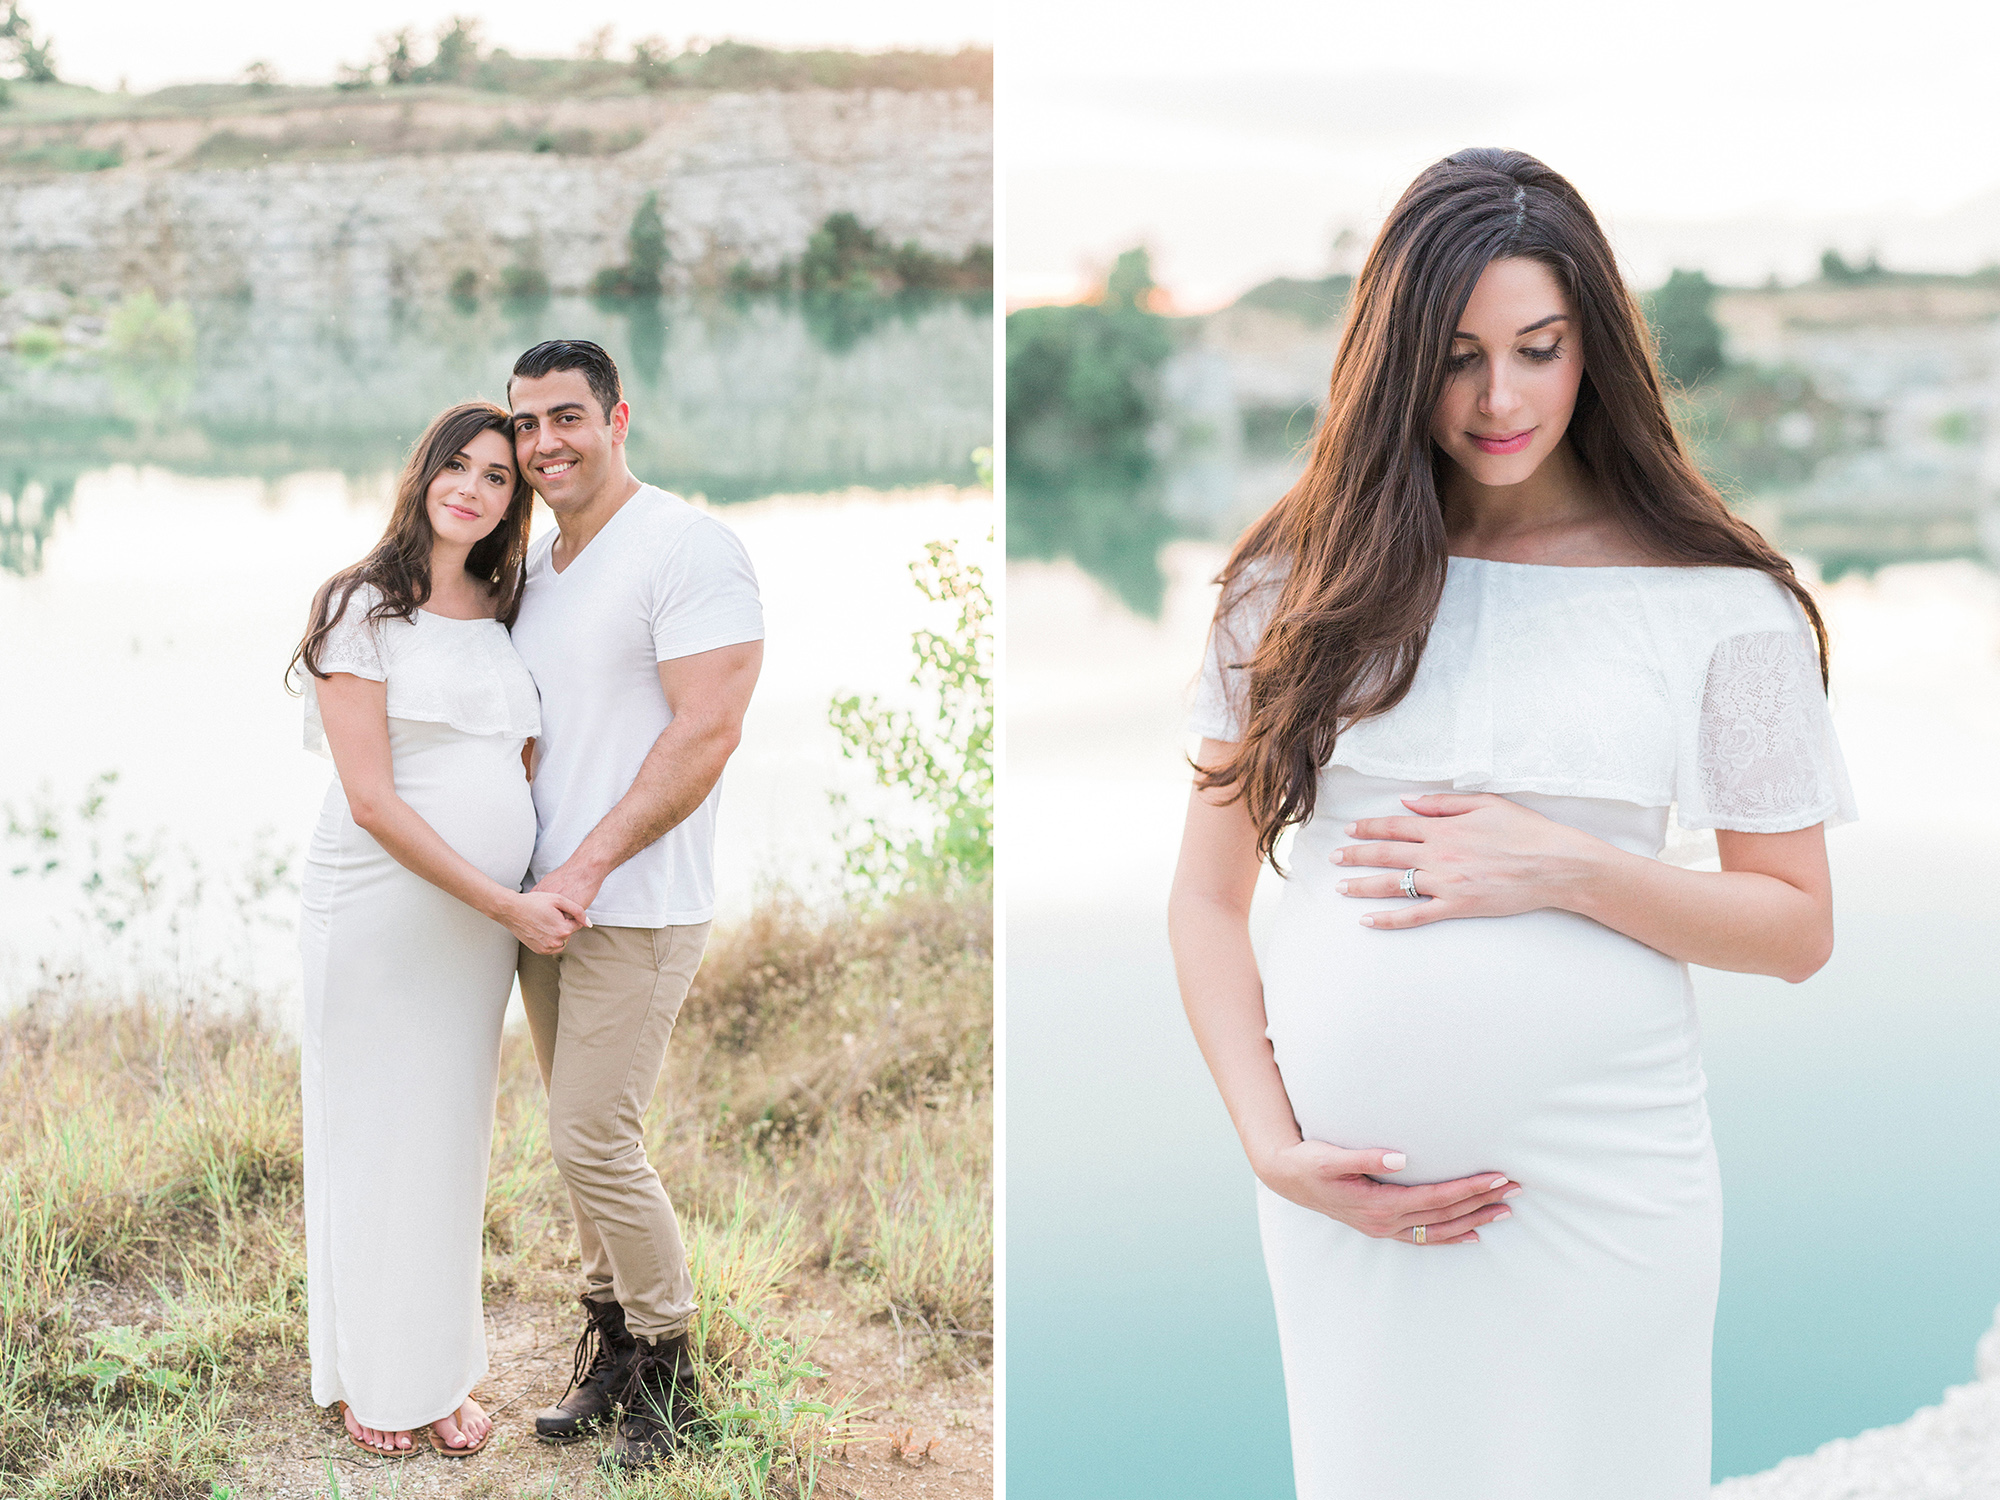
x: 1855, y: 1114
x: 162, y: 531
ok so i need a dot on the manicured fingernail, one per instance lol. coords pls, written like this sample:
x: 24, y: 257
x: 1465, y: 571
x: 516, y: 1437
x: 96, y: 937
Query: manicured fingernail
x: 1514, y: 1194
x: 1350, y: 829
x: 1394, y: 1161
x: 1505, y: 1213
x: 1470, y: 1239
x: 1341, y: 886
x: 1496, y: 1182
x: 1367, y: 921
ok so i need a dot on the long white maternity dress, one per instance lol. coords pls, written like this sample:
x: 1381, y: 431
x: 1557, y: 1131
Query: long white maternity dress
x: 405, y: 990
x: 1566, y: 1357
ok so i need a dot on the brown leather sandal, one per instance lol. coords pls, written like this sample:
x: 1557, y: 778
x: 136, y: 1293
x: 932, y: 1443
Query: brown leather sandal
x: 430, y: 1431
x: 370, y: 1447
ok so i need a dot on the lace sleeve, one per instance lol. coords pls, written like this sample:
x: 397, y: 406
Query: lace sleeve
x: 354, y: 644
x: 1221, y: 693
x: 1765, y: 758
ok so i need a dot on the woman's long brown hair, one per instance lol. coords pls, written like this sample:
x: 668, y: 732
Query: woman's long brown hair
x: 400, y: 565
x: 1356, y: 549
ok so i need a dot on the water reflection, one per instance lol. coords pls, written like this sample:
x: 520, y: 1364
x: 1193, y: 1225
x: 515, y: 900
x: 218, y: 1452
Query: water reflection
x: 732, y: 398
x: 1085, y: 477
x: 30, y: 506
x: 1852, y: 421
x: 1113, y: 526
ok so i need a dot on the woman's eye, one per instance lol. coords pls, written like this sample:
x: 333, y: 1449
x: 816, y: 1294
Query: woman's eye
x: 1543, y: 356
x: 1462, y: 361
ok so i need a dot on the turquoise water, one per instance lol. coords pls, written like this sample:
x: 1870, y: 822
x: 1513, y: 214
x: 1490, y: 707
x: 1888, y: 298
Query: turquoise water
x: 1855, y: 1115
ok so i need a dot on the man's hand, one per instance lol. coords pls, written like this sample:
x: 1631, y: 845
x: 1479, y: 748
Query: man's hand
x: 574, y: 880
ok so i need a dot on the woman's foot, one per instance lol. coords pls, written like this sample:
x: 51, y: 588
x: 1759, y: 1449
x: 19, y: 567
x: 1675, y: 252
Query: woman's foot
x: 465, y: 1429
x: 374, y: 1438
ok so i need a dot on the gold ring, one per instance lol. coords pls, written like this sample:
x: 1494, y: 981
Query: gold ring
x: 1417, y: 1235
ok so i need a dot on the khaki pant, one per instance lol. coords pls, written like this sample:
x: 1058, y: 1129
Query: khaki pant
x: 601, y: 1012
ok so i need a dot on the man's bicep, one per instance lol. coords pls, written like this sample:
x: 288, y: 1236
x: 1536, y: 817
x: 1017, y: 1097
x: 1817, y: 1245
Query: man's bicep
x: 713, y: 684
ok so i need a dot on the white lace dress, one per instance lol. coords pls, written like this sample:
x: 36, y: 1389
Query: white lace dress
x: 405, y: 991
x: 1566, y: 1357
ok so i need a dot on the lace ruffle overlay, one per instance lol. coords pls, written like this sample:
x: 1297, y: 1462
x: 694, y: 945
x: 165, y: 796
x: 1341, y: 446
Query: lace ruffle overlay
x: 1696, y: 687
x: 464, y: 673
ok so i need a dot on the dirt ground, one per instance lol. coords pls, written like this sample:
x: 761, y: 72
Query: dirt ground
x: 928, y: 1429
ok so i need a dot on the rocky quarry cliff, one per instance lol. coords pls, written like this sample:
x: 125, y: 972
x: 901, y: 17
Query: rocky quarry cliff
x: 380, y: 199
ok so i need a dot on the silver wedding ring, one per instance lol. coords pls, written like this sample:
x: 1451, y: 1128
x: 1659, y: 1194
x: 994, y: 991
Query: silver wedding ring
x: 1417, y: 1235
x: 1410, y: 889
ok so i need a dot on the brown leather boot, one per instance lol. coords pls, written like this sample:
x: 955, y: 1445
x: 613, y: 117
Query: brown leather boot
x: 603, y: 1358
x: 659, y: 1403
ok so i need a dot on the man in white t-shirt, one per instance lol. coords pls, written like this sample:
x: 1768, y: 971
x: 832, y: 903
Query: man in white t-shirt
x: 642, y: 626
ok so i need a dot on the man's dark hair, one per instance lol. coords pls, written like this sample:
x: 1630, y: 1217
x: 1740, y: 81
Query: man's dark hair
x: 571, y: 354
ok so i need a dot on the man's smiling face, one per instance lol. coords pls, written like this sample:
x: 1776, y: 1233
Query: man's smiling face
x: 563, y: 440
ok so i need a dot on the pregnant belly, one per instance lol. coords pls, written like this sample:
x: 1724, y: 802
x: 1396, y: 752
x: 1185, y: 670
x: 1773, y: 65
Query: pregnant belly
x: 471, y: 790
x: 1482, y: 1044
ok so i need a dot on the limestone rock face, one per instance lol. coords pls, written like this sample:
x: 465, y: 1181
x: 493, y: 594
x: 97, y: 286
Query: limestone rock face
x: 740, y: 179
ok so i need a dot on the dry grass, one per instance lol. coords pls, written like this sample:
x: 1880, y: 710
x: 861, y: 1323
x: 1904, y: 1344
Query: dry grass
x: 828, y: 1107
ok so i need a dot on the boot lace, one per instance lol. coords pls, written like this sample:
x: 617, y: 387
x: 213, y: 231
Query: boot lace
x: 650, y: 1381
x: 594, y: 1355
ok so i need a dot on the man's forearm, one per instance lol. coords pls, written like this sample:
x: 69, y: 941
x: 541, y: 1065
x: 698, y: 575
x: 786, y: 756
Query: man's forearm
x: 676, y: 777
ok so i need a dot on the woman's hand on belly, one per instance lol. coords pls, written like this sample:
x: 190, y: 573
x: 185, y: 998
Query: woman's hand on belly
x: 1475, y: 855
x: 1335, y: 1182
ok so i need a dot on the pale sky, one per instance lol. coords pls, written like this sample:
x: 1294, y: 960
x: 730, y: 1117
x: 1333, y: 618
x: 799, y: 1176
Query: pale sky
x: 1741, y: 135
x: 151, y: 44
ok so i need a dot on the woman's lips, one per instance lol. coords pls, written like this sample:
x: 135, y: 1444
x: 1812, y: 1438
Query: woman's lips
x: 462, y: 513
x: 1509, y: 443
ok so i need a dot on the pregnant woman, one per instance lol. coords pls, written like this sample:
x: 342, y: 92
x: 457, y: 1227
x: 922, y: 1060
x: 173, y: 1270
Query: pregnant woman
x: 412, y: 907
x: 1496, y: 632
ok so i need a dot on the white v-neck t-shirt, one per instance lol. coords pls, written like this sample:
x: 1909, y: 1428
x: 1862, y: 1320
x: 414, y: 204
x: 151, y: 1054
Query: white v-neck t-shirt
x: 661, y: 580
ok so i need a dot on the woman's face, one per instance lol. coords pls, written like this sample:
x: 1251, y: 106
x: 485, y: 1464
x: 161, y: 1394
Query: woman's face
x: 470, y: 495
x: 1515, y: 365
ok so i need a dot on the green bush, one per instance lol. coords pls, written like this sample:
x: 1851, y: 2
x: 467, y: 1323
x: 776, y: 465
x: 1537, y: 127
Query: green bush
x: 142, y: 331
x: 1684, y: 327
x: 62, y: 156
x: 1312, y: 302
x: 36, y: 343
x: 524, y: 283
x: 846, y: 257
x: 1083, y: 400
x: 644, y: 273
x: 741, y: 65
x: 940, y: 755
